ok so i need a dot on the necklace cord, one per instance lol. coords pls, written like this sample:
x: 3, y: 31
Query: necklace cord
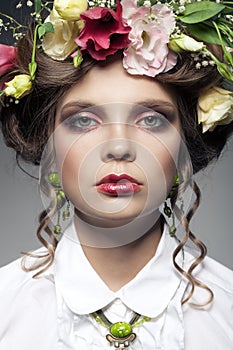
x: 100, y: 317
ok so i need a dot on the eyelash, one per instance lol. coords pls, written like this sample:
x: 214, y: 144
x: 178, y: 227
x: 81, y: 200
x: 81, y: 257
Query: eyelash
x: 74, y: 121
x: 159, y: 121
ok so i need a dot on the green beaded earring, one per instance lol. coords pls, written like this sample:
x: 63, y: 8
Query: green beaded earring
x: 167, y: 210
x: 61, y: 200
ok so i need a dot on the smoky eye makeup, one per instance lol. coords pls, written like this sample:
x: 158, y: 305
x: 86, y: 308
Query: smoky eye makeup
x: 82, y: 122
x: 151, y: 120
x: 154, y: 118
x: 166, y: 110
x: 77, y: 117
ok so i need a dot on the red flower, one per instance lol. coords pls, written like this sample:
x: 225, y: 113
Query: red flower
x: 7, y: 61
x: 104, y: 32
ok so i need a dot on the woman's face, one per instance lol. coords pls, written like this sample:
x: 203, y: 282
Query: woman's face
x: 117, y: 140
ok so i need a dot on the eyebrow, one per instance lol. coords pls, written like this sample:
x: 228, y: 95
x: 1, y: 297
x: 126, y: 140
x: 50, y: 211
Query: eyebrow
x: 148, y: 103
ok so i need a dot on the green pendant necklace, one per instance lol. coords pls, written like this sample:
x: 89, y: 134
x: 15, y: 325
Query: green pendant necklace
x: 120, y: 333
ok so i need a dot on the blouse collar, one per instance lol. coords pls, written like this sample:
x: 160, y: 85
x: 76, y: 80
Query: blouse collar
x: 84, y: 292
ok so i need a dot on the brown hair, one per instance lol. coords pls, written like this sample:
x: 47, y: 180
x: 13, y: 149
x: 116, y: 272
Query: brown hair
x: 27, y: 126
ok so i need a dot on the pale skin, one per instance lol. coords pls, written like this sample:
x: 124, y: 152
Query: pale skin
x: 114, y: 146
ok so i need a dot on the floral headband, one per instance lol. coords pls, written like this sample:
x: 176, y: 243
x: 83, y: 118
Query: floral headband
x: 152, y: 35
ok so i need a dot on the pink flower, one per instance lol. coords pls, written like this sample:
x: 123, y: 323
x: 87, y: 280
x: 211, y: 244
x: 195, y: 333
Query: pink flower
x: 148, y: 52
x: 104, y: 32
x: 129, y: 8
x: 7, y: 61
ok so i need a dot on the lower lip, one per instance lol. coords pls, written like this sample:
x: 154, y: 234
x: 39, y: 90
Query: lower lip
x: 119, y: 189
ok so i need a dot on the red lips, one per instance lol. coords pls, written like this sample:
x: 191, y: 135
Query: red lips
x: 115, y: 185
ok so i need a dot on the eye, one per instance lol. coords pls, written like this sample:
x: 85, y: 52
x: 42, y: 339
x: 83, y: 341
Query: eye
x: 85, y: 122
x: 151, y: 121
x: 81, y: 122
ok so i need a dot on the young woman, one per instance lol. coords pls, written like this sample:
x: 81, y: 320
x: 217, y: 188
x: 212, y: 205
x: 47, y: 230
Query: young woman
x: 117, y: 132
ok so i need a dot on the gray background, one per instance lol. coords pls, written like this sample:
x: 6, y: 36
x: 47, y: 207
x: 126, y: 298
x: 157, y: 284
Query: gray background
x: 20, y: 201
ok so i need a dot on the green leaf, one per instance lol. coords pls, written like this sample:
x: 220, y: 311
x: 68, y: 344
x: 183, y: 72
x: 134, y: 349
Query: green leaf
x: 41, y: 31
x: 228, y: 10
x: 48, y: 27
x: 45, y: 28
x: 205, y: 32
x: 32, y: 69
x: 37, y: 6
x: 196, y: 12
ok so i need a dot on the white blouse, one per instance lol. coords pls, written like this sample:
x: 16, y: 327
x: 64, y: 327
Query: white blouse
x: 52, y: 312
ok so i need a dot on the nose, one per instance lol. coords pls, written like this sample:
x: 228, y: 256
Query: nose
x: 118, y: 148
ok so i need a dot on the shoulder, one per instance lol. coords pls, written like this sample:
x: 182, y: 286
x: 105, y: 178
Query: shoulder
x: 211, y: 325
x: 210, y: 271
x: 18, y: 284
x: 13, y: 277
x: 219, y: 279
x: 217, y: 274
x: 24, y: 303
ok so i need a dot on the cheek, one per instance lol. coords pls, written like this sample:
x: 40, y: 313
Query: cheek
x: 68, y: 153
x: 160, y: 158
x: 168, y: 166
x: 159, y: 168
x: 77, y: 164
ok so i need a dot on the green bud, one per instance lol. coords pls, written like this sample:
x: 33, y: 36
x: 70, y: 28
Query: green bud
x: 172, y: 231
x: 77, y: 60
x: 54, y: 180
x: 185, y: 43
x: 167, y: 211
x: 57, y: 229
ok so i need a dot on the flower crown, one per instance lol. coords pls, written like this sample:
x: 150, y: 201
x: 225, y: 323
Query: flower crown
x: 152, y: 35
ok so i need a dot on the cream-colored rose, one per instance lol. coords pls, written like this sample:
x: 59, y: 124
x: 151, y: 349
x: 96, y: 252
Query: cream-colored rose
x: 70, y: 10
x: 215, y: 107
x: 185, y: 43
x: 60, y: 44
x: 18, y: 87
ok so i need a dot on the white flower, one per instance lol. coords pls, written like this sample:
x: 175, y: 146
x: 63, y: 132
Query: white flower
x: 60, y: 44
x: 147, y: 3
x: 215, y: 107
x: 185, y: 43
x: 205, y: 63
x: 19, y: 5
x: 70, y: 10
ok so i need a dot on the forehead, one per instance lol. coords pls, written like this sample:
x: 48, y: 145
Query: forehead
x: 111, y: 83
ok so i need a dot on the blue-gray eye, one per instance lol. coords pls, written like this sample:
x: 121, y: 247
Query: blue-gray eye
x: 85, y: 121
x: 81, y: 123
x: 152, y: 121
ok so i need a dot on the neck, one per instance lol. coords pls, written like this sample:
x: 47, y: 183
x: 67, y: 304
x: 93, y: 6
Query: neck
x: 117, y: 265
